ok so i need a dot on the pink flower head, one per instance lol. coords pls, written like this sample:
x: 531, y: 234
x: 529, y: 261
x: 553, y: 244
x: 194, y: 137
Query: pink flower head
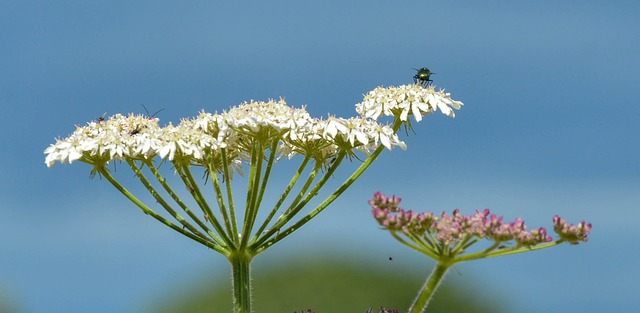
x: 573, y: 234
x: 447, y: 235
x: 391, y: 217
x: 382, y: 202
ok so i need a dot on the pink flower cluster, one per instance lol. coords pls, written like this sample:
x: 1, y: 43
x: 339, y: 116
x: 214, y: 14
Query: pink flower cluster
x: 572, y: 234
x: 451, y: 229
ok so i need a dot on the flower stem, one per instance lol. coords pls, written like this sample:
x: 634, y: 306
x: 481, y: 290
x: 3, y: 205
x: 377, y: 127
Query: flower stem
x: 262, y: 245
x: 185, y: 174
x: 241, y: 281
x: 179, y: 201
x: 204, y: 241
x: 283, y: 197
x: 227, y: 182
x: 145, y: 182
x: 252, y: 206
x: 506, y: 251
x: 421, y: 302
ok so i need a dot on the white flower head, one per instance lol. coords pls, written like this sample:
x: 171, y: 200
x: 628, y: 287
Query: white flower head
x: 233, y: 135
x: 119, y: 137
x: 406, y: 100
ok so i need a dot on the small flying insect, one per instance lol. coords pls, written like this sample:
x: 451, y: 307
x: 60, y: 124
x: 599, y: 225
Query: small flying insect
x: 101, y: 118
x: 423, y: 77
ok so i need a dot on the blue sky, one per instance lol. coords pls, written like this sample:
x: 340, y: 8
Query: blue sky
x: 551, y: 101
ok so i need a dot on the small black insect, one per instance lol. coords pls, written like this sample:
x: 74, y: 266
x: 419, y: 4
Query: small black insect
x: 423, y: 77
x: 137, y: 130
x: 101, y: 118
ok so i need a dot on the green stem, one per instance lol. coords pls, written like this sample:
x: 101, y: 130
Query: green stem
x: 267, y: 172
x: 227, y: 180
x: 145, y: 182
x: 174, y: 196
x: 185, y: 174
x: 215, y: 183
x: 506, y: 251
x: 241, y: 281
x: 105, y: 173
x: 298, y: 203
x: 262, y: 245
x: 252, y: 207
x: 283, y: 197
x: 421, y: 302
x: 422, y: 247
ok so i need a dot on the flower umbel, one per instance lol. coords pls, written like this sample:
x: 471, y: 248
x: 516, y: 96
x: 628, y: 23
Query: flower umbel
x: 448, y: 238
x: 407, y: 100
x: 196, y: 140
x: 254, y: 135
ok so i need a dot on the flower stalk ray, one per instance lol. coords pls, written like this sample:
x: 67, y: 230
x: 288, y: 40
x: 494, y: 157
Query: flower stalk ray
x: 137, y: 171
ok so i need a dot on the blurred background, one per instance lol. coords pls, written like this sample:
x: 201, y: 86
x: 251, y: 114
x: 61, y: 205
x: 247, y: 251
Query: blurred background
x: 548, y: 127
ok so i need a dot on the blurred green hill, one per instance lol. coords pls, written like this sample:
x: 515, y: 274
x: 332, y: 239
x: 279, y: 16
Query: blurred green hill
x: 326, y: 286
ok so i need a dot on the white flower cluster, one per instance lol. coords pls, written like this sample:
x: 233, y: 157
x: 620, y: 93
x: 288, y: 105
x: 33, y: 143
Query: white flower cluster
x: 236, y: 132
x: 199, y: 139
x: 115, y: 138
x: 406, y: 99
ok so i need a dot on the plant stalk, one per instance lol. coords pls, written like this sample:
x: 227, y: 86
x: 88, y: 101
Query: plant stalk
x: 425, y: 294
x: 241, y: 281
